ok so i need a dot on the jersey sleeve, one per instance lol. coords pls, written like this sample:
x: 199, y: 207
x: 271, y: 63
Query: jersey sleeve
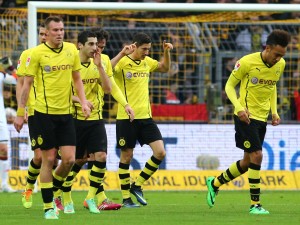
x: 116, y: 93
x: 32, y: 63
x: 153, y: 64
x: 239, y: 71
x: 77, y: 63
x: 21, y: 68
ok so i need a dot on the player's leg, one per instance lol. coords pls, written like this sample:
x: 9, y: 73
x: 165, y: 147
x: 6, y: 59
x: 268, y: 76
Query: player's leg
x: 34, y: 165
x: 46, y: 182
x: 96, y: 146
x: 66, y: 140
x: 214, y: 183
x: 67, y: 186
x: 234, y: 170
x: 103, y: 202
x: 256, y: 157
x: 150, y: 135
x: 32, y: 175
x: 124, y: 176
x: 47, y: 143
x: 126, y: 140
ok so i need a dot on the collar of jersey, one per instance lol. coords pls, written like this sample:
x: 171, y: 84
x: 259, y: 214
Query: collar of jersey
x: 56, y: 50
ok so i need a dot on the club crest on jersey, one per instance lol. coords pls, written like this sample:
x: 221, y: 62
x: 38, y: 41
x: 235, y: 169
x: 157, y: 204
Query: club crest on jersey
x: 237, y: 65
x: 128, y: 75
x: 254, y: 80
x: 47, y: 68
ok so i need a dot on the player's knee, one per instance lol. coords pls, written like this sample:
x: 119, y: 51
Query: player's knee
x: 81, y: 162
x: 100, y: 156
x: 68, y: 162
x: 126, y: 157
x: 37, y: 160
x: 160, y: 154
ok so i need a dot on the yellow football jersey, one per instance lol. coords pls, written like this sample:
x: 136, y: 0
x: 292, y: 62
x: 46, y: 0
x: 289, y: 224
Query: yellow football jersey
x: 257, y: 83
x: 53, y: 71
x: 132, y: 77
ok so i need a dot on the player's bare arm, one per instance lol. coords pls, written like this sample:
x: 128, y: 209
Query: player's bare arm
x: 165, y: 64
x: 127, y: 49
x: 104, y: 79
x: 75, y: 99
x: 20, y: 82
x: 19, y: 121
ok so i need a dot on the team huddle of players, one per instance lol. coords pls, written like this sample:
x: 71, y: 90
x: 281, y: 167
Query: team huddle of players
x: 64, y: 111
x: 64, y: 105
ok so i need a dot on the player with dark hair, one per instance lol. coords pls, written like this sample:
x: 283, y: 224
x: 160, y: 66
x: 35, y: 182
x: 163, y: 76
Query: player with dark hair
x: 97, y: 77
x: 132, y: 75
x: 257, y: 74
x: 55, y: 64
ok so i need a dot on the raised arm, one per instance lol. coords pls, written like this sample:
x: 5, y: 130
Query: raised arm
x: 127, y: 49
x: 165, y: 64
x: 104, y: 79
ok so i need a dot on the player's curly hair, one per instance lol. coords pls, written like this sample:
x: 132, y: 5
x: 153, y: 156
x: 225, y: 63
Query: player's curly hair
x: 279, y: 37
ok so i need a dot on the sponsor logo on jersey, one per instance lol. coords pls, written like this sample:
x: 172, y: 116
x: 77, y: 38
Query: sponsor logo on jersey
x: 140, y: 74
x: 48, y: 68
x: 267, y: 82
x: 61, y: 67
x: 128, y: 75
x: 254, y: 80
x: 90, y: 81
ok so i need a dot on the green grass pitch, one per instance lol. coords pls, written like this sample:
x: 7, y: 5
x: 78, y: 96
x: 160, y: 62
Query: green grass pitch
x: 164, y: 208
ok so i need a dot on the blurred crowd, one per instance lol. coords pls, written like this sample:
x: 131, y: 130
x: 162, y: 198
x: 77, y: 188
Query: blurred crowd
x: 23, y: 3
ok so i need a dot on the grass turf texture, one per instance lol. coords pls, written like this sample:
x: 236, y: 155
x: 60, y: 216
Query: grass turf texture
x: 164, y: 208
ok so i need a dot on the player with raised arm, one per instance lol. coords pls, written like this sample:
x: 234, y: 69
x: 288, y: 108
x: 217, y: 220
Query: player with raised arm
x: 55, y: 64
x: 132, y: 75
x: 257, y: 74
x: 97, y: 78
